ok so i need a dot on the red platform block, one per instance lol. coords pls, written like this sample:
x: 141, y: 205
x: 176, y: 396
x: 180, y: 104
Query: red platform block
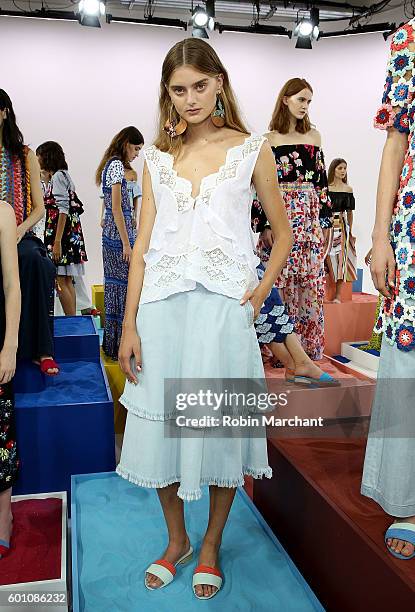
x: 349, y: 321
x: 36, y: 563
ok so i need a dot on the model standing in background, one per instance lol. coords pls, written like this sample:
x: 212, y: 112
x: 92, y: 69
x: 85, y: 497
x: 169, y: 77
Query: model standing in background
x: 20, y: 187
x: 193, y: 294
x: 118, y: 231
x: 341, y: 258
x: 64, y: 239
x: 303, y: 182
x: 9, y: 328
x: 389, y: 468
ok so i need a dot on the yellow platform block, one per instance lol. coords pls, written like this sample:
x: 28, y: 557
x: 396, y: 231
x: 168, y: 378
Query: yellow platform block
x: 116, y: 381
x: 98, y: 301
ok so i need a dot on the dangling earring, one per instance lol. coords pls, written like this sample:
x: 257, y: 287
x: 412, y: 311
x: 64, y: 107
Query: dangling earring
x: 218, y: 114
x: 174, y: 128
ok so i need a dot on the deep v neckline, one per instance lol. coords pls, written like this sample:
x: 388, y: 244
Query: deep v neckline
x: 207, y: 176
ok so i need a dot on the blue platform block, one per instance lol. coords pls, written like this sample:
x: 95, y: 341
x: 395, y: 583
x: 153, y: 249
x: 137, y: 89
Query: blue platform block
x: 358, y: 283
x: 65, y: 423
x: 66, y: 429
x: 118, y: 530
x: 76, y: 338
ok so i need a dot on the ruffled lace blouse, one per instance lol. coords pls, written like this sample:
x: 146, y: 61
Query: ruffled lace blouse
x: 207, y: 239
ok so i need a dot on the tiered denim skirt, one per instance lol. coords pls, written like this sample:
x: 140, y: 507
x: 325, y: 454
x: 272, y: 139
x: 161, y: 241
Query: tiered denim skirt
x: 194, y: 334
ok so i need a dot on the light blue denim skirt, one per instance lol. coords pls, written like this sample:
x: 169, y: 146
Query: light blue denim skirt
x: 193, y: 334
x: 389, y: 469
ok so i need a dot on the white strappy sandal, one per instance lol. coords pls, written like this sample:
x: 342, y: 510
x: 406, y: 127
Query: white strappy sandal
x: 165, y: 570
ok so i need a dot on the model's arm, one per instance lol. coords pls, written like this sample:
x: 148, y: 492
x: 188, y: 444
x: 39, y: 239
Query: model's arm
x: 119, y: 220
x: 350, y: 219
x: 266, y: 185
x: 11, y: 288
x: 60, y: 191
x: 383, y: 260
x: 102, y: 213
x: 130, y: 342
x: 38, y: 208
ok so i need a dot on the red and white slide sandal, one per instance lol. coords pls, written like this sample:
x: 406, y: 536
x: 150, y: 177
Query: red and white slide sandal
x: 165, y: 570
x: 205, y: 575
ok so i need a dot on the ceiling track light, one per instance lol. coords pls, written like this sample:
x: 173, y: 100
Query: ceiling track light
x: 307, y: 29
x: 200, y: 18
x: 90, y: 12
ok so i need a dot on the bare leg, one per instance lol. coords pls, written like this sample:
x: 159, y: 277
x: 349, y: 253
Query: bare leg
x: 401, y: 546
x: 6, y: 516
x: 67, y: 295
x: 221, y: 499
x: 294, y: 358
x: 304, y: 366
x: 179, y: 542
x: 339, y: 285
x: 280, y: 352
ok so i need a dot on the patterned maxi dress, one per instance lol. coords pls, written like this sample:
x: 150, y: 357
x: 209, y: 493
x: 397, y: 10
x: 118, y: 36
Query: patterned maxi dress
x: 303, y: 183
x: 37, y: 272
x: 115, y: 269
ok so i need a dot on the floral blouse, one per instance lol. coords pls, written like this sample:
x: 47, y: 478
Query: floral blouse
x: 298, y: 163
x: 397, y: 317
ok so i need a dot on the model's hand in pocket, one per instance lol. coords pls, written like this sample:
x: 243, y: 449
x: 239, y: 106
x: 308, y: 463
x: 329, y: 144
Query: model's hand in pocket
x: 256, y: 298
x: 130, y: 349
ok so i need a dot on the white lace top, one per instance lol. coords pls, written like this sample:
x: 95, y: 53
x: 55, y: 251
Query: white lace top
x: 207, y: 239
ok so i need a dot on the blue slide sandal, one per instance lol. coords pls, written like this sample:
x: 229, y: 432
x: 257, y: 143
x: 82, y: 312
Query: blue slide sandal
x: 401, y: 531
x: 325, y: 380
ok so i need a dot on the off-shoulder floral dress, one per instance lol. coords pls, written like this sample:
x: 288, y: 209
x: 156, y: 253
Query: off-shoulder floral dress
x: 303, y: 183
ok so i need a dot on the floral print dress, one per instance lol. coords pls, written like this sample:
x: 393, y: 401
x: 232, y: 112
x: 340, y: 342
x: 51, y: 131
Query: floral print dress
x: 303, y: 183
x: 60, y: 197
x: 397, y: 316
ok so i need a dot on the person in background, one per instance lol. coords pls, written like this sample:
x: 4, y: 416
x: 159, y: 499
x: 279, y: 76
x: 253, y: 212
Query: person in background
x: 302, y: 178
x: 37, y: 273
x: 10, y: 303
x: 341, y: 257
x: 119, y: 230
x: 64, y: 238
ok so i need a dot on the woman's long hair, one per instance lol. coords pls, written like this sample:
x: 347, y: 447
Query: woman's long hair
x: 332, y: 169
x: 51, y: 157
x: 280, y: 120
x: 118, y: 148
x: 200, y: 55
x: 12, y: 136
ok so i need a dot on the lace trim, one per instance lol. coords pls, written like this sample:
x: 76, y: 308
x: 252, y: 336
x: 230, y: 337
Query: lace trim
x: 182, y: 187
x: 213, y: 266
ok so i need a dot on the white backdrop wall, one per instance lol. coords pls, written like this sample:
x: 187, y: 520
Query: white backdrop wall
x: 81, y: 85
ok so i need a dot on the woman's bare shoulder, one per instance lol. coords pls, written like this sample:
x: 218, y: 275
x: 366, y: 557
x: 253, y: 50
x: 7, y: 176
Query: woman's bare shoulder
x: 7, y: 215
x: 315, y: 137
x: 275, y: 138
